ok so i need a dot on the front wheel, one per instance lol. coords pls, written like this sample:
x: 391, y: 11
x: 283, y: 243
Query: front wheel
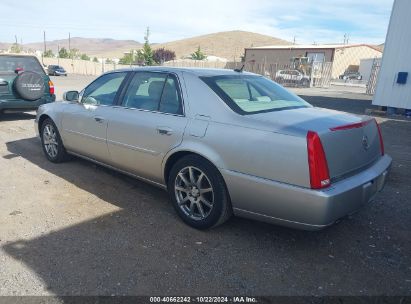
x: 305, y: 83
x: 198, y: 193
x: 51, y: 141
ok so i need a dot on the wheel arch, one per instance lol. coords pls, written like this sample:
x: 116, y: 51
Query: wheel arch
x: 42, y: 118
x: 173, y: 156
x: 48, y: 111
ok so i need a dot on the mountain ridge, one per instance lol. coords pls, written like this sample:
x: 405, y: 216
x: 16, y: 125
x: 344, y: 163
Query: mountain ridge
x: 229, y: 45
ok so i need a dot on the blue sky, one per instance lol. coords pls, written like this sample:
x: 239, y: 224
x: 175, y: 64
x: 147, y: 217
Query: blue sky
x: 320, y: 21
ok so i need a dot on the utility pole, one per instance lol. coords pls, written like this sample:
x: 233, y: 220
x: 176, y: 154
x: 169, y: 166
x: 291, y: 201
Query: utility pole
x: 146, y: 37
x: 294, y: 40
x: 69, y: 43
x: 15, y: 36
x: 44, y: 41
x: 58, y: 54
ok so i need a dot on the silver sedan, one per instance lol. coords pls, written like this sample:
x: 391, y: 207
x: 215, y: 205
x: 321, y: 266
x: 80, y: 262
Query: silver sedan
x: 221, y: 142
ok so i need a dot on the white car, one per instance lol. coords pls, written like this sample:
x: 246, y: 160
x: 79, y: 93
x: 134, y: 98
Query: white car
x: 221, y: 142
x: 294, y: 77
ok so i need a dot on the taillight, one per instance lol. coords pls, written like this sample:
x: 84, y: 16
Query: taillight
x: 51, y: 87
x: 317, y: 162
x: 380, y: 135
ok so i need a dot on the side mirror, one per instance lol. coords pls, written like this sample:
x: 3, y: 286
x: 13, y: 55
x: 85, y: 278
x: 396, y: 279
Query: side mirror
x: 71, y: 96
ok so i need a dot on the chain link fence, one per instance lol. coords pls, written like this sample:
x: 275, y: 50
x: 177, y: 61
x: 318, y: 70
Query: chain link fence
x: 372, y: 82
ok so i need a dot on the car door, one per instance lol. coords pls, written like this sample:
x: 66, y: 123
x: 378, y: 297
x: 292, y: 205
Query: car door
x: 149, y: 123
x: 84, y: 124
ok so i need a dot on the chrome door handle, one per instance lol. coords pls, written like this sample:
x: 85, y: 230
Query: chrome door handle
x: 164, y: 131
x: 99, y: 119
x: 3, y: 82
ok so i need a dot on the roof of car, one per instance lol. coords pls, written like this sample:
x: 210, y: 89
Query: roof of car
x: 195, y: 71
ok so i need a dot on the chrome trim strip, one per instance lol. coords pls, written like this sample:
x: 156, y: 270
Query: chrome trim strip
x: 116, y: 143
x: 162, y: 186
x: 86, y: 135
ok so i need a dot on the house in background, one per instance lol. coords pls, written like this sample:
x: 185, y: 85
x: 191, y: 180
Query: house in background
x: 394, y: 81
x: 344, y: 57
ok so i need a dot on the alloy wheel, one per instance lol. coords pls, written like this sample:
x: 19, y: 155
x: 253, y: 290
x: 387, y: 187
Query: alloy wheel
x: 50, y: 140
x: 194, y: 193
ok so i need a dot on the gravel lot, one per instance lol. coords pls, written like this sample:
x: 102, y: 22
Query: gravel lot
x: 79, y: 229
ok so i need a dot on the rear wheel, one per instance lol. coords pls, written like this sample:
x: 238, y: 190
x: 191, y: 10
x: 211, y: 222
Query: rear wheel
x: 51, y: 141
x: 198, y: 193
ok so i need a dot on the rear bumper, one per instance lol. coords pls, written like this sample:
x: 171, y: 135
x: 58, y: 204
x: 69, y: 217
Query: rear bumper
x: 303, y: 208
x: 24, y: 105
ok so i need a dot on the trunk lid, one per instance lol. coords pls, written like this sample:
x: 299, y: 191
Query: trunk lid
x: 351, y: 143
x: 351, y: 148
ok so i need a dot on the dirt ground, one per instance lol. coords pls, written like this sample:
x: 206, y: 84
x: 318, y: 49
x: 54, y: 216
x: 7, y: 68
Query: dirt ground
x: 79, y: 229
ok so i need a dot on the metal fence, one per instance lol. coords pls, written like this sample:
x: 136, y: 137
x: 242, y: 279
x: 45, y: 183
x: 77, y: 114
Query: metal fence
x: 317, y: 74
x: 372, y: 82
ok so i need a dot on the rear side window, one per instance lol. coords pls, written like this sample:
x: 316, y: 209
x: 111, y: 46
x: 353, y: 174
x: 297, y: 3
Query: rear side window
x: 248, y: 94
x: 154, y: 92
x: 11, y: 63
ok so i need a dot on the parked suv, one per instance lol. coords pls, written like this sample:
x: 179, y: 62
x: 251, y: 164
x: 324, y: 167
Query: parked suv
x: 56, y: 70
x: 293, y: 77
x: 24, y: 85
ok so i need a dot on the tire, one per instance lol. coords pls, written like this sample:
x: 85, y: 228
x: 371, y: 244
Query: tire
x: 51, y: 142
x: 199, y: 210
x: 29, y: 85
x: 305, y: 83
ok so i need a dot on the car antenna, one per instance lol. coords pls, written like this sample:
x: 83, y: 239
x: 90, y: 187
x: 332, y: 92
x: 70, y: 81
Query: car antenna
x: 240, y: 70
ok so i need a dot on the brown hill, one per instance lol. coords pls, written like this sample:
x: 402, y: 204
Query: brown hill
x: 227, y: 45
x: 99, y: 47
x: 4, y: 46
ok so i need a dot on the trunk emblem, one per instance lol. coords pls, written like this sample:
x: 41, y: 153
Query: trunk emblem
x: 365, y: 143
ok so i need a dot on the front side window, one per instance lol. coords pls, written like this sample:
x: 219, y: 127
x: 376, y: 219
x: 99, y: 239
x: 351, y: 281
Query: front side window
x: 248, y: 94
x: 103, y: 90
x: 154, y: 92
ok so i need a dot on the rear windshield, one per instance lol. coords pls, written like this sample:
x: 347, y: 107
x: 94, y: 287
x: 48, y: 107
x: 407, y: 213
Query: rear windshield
x: 249, y: 94
x: 11, y: 63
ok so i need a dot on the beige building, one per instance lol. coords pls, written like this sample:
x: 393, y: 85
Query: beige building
x: 343, y: 57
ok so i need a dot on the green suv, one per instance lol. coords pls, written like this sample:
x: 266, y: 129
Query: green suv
x: 24, y: 85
